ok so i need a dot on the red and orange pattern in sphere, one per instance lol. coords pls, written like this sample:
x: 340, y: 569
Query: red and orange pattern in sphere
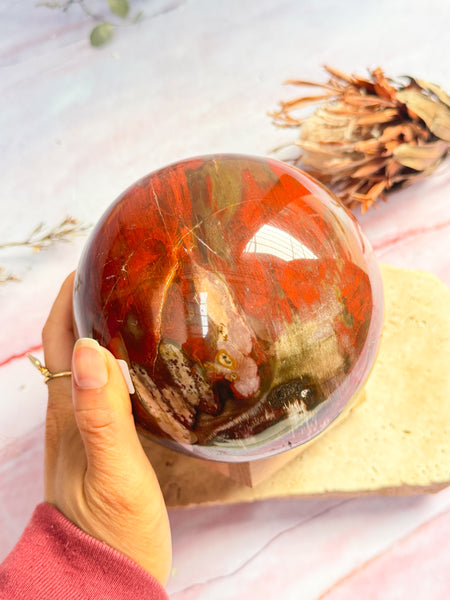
x: 244, y: 299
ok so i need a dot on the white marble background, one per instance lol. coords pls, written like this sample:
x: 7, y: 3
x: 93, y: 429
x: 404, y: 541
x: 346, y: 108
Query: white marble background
x: 78, y: 125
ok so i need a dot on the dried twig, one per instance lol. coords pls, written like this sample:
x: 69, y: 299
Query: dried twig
x: 40, y: 239
x: 6, y: 277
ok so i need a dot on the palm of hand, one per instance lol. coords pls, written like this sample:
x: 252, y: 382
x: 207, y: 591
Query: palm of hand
x: 96, y: 472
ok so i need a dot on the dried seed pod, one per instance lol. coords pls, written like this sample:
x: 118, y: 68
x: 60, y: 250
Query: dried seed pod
x: 369, y: 134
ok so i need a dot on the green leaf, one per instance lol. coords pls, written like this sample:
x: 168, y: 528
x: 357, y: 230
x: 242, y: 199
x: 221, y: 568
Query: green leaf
x: 101, y: 34
x: 119, y: 7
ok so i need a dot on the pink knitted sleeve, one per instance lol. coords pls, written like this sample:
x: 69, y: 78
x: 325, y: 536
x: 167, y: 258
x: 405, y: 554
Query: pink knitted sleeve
x: 54, y: 560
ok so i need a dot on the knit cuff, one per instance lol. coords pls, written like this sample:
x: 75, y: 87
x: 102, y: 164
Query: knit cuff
x: 55, y: 559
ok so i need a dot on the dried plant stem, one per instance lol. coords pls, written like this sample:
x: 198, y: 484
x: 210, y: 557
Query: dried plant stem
x: 6, y: 277
x: 39, y: 239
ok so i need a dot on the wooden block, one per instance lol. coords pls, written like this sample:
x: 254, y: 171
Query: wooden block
x: 255, y: 472
x: 395, y: 442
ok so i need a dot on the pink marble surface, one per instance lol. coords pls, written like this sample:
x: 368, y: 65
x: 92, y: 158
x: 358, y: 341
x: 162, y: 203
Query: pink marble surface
x: 79, y: 125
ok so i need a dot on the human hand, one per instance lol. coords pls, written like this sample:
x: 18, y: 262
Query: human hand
x: 96, y: 472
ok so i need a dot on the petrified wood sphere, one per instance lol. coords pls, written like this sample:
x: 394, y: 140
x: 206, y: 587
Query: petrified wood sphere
x: 243, y: 297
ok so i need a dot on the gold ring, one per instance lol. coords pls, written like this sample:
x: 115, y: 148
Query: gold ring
x: 48, y: 375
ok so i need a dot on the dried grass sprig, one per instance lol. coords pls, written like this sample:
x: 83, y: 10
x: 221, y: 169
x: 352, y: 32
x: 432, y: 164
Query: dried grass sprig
x: 41, y: 237
x: 369, y: 135
x: 6, y: 277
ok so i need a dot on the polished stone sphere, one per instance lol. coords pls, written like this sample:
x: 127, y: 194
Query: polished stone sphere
x: 244, y: 298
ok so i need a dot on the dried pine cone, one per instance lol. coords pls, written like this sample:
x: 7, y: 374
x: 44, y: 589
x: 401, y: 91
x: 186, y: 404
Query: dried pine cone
x: 369, y: 135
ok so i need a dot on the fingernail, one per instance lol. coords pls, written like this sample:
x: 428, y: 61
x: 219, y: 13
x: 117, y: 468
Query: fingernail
x: 89, y: 367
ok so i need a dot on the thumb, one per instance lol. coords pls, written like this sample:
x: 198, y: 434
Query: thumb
x: 102, y: 409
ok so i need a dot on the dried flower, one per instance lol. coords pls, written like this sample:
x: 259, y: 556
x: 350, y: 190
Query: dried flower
x: 369, y: 135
